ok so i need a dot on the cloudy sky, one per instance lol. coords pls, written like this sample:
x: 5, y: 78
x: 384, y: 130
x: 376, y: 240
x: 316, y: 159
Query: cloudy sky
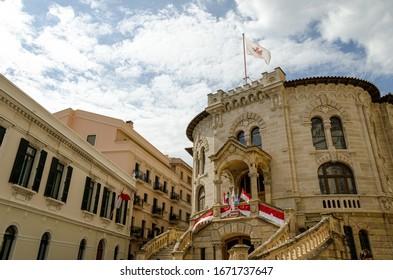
x: 154, y: 62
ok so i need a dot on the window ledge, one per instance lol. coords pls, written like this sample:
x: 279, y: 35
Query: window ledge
x: 54, y: 203
x: 22, y: 193
x: 87, y: 216
x: 105, y: 222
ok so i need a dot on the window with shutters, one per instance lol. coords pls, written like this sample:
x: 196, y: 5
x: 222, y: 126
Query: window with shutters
x: 2, y: 134
x: 107, y: 204
x: 121, y: 213
x: 57, y: 186
x: 28, y: 166
x: 91, y: 196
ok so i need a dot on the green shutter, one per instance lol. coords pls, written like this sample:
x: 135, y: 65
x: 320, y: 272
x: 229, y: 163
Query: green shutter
x: 67, y: 184
x: 51, y: 177
x: 40, y: 169
x: 19, y: 159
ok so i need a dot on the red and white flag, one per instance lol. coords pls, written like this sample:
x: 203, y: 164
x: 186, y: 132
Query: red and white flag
x: 257, y: 51
x: 120, y: 198
x: 271, y: 214
x: 207, y: 217
x: 245, y: 196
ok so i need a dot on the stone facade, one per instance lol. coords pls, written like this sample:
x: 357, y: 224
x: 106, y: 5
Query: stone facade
x: 316, y: 145
x: 163, y: 198
x: 57, y: 193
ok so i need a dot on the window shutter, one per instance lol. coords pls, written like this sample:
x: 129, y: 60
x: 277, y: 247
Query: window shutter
x: 125, y: 212
x: 85, y: 198
x: 104, y: 202
x: 97, y: 198
x: 19, y: 159
x: 67, y: 184
x: 40, y: 169
x: 2, y: 133
x: 112, y: 203
x: 51, y: 177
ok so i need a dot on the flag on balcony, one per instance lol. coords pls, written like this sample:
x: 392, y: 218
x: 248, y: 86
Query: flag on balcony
x: 120, y: 198
x: 271, y: 214
x: 205, y: 218
x: 226, y: 198
x: 225, y: 211
x: 245, y: 210
x: 245, y: 196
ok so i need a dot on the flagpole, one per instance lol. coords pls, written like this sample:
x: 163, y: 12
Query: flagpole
x: 245, y: 62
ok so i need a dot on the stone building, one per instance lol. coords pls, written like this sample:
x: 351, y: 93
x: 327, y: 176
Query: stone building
x: 163, y: 198
x: 59, y: 196
x: 298, y: 169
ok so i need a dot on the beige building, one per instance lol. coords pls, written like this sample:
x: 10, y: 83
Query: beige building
x: 163, y: 199
x: 58, y: 194
x: 315, y: 157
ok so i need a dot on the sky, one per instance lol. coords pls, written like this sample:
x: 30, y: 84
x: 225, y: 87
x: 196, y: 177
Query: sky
x: 154, y: 62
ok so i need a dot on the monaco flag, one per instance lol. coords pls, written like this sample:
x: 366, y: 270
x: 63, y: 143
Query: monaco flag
x: 257, y: 51
x: 245, y: 196
x: 120, y: 198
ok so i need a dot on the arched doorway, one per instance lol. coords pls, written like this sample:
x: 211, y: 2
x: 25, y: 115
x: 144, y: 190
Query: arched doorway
x: 100, y: 250
x: 237, y: 240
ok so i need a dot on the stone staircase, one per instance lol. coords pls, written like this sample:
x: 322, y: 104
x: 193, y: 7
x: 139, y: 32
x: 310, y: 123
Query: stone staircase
x: 164, y: 253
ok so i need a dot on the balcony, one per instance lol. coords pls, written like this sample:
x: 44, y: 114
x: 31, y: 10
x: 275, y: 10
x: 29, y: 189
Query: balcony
x: 173, y: 218
x: 156, y: 211
x: 175, y: 196
x: 141, y: 176
x: 136, y: 232
x: 138, y: 202
x: 160, y: 187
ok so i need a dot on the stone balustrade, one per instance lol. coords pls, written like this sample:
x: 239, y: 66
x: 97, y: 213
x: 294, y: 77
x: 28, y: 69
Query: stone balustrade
x: 301, y: 246
x: 278, y: 238
x: 182, y: 245
x: 161, y: 241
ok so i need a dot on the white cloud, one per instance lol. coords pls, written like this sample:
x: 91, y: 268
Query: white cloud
x: 156, y: 68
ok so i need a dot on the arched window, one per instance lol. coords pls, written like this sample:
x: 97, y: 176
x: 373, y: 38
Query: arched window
x: 203, y: 160
x: 116, y: 254
x: 100, y: 250
x: 351, y: 242
x: 337, y: 133
x: 318, y: 134
x: 82, y: 248
x: 256, y: 137
x: 336, y: 178
x: 8, y: 242
x: 201, y: 199
x: 241, y: 138
x: 365, y: 252
x: 44, y: 246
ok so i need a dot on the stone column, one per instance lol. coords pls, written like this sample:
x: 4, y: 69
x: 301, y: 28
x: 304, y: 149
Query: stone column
x: 328, y: 135
x: 239, y: 252
x: 217, y: 199
x: 217, y: 192
x: 217, y: 247
x: 253, y: 174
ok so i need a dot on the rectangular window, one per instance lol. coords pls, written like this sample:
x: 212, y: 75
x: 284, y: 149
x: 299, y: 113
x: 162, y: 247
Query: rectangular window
x: 91, y: 139
x: 145, y: 197
x: 121, y: 213
x: 91, y: 196
x: 56, y: 186
x: 2, y: 133
x: 107, y: 204
x: 24, y: 165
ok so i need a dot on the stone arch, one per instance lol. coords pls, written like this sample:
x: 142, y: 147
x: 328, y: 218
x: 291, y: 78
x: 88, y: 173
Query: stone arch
x: 247, y: 119
x: 334, y: 157
x: 325, y: 108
